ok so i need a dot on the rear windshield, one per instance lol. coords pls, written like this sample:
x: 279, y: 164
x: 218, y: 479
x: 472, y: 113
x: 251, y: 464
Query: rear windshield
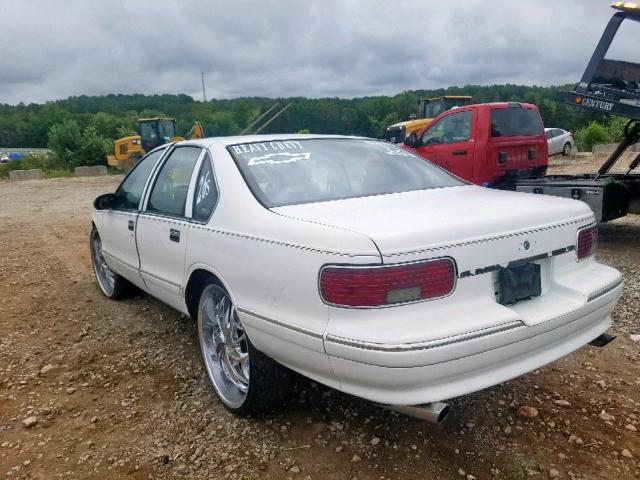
x: 316, y: 170
x: 515, y: 121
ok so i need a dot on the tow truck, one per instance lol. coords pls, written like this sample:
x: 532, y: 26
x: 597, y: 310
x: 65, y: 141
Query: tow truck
x: 612, y: 87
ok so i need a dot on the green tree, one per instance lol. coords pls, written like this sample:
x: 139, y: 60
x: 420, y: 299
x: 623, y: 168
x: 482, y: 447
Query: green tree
x: 64, y: 140
x: 591, y: 135
x: 108, y: 125
x: 615, y: 127
x: 124, y: 132
x: 93, y: 150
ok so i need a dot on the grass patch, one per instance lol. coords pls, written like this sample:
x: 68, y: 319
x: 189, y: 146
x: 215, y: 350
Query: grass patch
x: 57, y: 173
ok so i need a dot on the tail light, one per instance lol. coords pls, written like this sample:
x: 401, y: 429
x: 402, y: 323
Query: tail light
x: 355, y: 286
x: 587, y: 241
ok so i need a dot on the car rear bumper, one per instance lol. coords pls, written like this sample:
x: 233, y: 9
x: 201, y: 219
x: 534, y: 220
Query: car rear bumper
x: 431, y: 371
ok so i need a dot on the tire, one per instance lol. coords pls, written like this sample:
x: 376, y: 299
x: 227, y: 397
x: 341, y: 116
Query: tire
x: 244, y: 379
x: 110, y: 283
x: 566, y: 149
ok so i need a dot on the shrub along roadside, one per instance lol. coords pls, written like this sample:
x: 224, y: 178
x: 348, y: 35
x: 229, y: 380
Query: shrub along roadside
x: 611, y: 131
x: 50, y: 165
x: 73, y: 147
x: 43, y: 162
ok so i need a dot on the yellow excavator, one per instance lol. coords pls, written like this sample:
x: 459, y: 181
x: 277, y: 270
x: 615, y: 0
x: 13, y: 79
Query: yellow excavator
x: 428, y: 109
x: 152, y: 132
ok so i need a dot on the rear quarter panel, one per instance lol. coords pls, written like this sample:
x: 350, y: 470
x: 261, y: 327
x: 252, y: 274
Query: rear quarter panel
x: 270, y: 264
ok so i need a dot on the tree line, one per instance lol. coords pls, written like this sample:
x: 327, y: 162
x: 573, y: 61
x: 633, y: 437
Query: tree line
x: 84, y: 127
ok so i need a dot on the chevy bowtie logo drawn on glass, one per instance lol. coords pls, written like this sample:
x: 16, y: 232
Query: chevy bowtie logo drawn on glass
x: 277, y: 158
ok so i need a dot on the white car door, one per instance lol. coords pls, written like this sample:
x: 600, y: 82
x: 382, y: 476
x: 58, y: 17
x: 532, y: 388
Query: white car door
x: 117, y: 227
x: 162, y: 229
x: 551, y: 142
x: 549, y: 135
x: 558, y: 140
x: 563, y: 137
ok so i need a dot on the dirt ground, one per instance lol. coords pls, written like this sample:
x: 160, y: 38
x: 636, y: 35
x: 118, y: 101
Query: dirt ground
x: 116, y: 389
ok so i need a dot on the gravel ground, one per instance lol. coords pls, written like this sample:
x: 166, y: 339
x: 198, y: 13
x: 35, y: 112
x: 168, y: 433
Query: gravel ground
x: 91, y: 388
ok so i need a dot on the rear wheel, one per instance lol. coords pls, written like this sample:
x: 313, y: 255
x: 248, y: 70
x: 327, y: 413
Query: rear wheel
x: 244, y: 379
x: 110, y: 283
x: 566, y: 150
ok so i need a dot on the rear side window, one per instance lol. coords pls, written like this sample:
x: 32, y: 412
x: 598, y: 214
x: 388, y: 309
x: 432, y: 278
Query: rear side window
x: 515, y: 121
x: 206, y: 194
x: 130, y: 190
x: 169, y: 194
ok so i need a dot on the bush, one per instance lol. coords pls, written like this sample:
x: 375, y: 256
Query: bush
x: 616, y: 127
x: 73, y: 148
x: 64, y: 140
x: 5, y: 168
x: 591, y: 135
x: 27, y: 163
x: 46, y: 163
x: 93, y: 149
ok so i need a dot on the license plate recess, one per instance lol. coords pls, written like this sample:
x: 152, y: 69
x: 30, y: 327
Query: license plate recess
x: 518, y: 282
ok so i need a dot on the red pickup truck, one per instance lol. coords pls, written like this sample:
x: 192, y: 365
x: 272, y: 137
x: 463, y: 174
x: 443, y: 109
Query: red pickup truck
x: 490, y: 144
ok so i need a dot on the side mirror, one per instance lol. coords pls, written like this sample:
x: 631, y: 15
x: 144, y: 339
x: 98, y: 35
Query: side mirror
x: 105, y: 202
x: 412, y: 140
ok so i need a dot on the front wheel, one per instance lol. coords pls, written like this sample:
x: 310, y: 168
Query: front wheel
x: 110, y: 283
x: 566, y: 150
x: 244, y: 379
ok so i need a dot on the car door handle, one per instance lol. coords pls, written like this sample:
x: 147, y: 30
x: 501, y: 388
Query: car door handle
x: 459, y: 152
x: 174, y: 235
x: 131, y: 225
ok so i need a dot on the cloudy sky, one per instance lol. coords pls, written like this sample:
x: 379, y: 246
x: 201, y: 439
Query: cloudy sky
x: 53, y: 49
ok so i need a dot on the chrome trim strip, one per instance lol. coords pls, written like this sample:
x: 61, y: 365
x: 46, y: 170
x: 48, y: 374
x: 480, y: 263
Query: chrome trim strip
x: 440, y: 342
x: 604, y: 290
x: 144, y: 272
x: 580, y: 220
x: 114, y: 258
x: 294, y: 328
x: 270, y: 241
x: 542, y: 256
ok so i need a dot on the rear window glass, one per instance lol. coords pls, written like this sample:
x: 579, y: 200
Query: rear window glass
x: 515, y: 121
x: 316, y: 170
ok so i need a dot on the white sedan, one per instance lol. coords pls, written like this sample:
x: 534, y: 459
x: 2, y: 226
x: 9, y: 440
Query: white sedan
x: 559, y: 141
x: 355, y: 263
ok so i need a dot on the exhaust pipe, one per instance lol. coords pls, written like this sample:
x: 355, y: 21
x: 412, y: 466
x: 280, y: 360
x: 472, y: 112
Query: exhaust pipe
x: 434, y: 412
x: 603, y: 340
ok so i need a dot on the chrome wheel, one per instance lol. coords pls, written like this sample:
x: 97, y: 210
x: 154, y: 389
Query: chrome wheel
x: 224, y: 346
x: 566, y: 151
x: 104, y: 275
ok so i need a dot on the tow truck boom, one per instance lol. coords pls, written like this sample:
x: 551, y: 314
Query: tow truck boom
x: 612, y: 87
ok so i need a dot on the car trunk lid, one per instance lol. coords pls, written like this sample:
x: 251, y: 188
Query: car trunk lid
x: 478, y: 227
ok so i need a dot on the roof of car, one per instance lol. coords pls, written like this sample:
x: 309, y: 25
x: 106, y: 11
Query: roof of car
x: 226, y: 141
